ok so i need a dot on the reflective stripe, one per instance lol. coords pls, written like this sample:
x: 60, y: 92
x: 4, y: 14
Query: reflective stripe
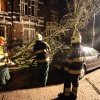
x: 66, y: 68
x: 80, y: 59
x: 2, y: 63
x: 69, y: 60
x: 74, y: 93
x: 40, y: 51
x: 67, y: 94
x: 43, y: 60
x: 56, y: 66
x: 2, y: 56
x: 74, y: 90
x: 6, y: 54
x: 67, y: 91
x: 74, y: 71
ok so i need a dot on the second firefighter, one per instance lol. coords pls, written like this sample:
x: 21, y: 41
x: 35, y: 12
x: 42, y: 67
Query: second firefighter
x: 41, y: 50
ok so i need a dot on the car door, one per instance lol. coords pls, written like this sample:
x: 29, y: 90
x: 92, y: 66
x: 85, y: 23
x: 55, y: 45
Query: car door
x: 88, y: 58
x: 96, y: 58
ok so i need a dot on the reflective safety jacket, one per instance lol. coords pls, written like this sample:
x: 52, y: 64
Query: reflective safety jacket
x: 3, y: 55
x: 41, y: 51
x: 75, y: 59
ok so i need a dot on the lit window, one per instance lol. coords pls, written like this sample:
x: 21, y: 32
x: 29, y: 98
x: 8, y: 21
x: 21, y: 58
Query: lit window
x: 2, y: 5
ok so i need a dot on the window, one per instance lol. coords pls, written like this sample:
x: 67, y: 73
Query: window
x: 54, y: 16
x: 51, y: 27
x: 28, y: 35
x: 52, y: 24
x: 26, y: 25
x: 28, y: 31
x: 34, y: 8
x: 2, y: 5
x: 24, y: 7
x: 30, y: 7
x: 94, y: 52
x: 87, y: 51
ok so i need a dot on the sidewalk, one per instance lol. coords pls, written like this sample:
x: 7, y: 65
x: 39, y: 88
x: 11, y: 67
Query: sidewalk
x: 89, y: 89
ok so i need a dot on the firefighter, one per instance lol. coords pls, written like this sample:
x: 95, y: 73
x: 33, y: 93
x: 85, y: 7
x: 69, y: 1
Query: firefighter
x: 72, y: 68
x: 41, y: 50
x: 4, y: 71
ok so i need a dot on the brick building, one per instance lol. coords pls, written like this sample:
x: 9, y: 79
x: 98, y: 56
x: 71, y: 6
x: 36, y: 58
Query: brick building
x: 21, y: 19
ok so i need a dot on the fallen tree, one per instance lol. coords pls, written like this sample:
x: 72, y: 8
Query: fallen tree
x: 70, y: 23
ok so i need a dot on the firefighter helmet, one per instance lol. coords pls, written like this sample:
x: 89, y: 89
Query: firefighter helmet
x: 76, y: 38
x: 38, y: 37
x: 2, y: 40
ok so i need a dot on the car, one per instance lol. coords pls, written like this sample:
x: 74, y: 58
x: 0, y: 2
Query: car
x: 92, y: 59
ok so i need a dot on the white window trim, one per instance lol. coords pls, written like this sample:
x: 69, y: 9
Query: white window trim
x: 54, y: 13
x: 22, y: 7
x: 29, y: 29
x: 35, y: 7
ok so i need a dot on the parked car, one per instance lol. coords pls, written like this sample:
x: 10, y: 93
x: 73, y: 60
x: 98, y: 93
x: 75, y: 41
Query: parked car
x: 92, y: 60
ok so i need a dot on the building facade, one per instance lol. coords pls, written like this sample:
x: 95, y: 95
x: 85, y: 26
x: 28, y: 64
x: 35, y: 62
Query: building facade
x: 22, y: 19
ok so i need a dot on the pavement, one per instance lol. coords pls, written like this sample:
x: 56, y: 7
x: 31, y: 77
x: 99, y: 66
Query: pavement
x: 89, y: 88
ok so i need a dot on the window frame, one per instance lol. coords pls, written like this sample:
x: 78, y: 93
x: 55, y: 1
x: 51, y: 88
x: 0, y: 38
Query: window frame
x: 35, y: 8
x: 54, y: 16
x: 24, y: 7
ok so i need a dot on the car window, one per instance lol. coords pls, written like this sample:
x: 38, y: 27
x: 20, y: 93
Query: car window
x: 87, y: 51
x: 94, y: 52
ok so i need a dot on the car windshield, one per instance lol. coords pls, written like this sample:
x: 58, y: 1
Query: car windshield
x: 90, y: 51
x: 87, y: 51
